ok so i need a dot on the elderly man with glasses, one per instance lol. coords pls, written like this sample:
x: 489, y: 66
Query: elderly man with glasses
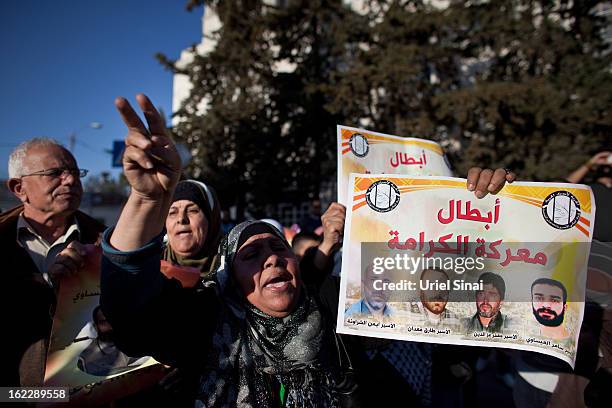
x: 40, y: 240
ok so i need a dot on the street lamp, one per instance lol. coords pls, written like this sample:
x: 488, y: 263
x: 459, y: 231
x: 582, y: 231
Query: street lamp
x: 72, y: 137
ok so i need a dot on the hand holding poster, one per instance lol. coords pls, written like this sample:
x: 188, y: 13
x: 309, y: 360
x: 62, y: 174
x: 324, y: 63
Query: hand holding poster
x: 425, y: 260
x: 81, y: 350
x: 364, y: 151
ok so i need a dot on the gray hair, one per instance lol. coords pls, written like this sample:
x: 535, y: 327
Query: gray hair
x: 15, y: 164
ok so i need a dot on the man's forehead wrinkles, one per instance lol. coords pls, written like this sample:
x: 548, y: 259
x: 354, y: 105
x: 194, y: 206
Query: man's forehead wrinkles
x: 49, y: 160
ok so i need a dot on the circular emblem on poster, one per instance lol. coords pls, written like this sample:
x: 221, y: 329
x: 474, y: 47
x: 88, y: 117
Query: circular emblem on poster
x: 383, y: 196
x: 359, y: 145
x: 561, y: 210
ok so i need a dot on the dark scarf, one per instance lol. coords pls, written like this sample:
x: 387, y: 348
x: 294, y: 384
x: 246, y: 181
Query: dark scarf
x: 203, y: 261
x: 252, y: 350
x: 205, y: 198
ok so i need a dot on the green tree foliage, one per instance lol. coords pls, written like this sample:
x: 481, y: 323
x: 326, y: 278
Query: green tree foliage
x: 511, y: 83
x: 519, y: 84
x: 266, y: 130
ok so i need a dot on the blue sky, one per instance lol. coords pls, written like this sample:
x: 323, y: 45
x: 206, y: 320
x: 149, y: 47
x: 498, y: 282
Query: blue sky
x: 64, y: 62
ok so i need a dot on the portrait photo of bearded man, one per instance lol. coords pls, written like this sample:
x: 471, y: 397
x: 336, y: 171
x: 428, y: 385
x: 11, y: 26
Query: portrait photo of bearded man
x: 432, y: 309
x: 549, y: 303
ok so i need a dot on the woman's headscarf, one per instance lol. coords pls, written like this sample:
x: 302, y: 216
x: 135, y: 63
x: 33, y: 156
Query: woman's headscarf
x: 251, y: 350
x: 204, y: 197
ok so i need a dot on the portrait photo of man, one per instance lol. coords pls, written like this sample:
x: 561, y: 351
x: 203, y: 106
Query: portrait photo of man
x: 489, y: 300
x: 431, y: 309
x: 374, y: 299
x: 102, y: 357
x: 549, y: 303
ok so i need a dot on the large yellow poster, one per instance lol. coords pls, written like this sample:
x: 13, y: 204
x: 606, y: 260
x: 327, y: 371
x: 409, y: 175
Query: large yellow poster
x: 425, y: 260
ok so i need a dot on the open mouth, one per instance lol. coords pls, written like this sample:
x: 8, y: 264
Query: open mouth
x: 279, y: 282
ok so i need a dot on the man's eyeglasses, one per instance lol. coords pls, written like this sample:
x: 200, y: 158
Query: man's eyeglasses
x: 59, y: 172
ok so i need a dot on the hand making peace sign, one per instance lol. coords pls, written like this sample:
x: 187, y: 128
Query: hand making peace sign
x: 151, y: 163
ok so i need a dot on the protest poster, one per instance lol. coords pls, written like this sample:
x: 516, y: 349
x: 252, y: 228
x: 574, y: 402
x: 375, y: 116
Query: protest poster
x: 364, y: 151
x: 82, y: 354
x: 425, y: 260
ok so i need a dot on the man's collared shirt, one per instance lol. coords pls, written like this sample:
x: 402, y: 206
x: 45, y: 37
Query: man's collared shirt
x: 42, y: 253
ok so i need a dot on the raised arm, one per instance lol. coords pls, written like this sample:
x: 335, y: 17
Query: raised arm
x: 152, y: 167
x: 601, y: 158
x: 150, y: 314
x: 333, y: 230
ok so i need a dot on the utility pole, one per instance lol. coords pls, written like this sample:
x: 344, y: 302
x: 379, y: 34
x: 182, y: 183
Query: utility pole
x: 71, y: 141
x: 72, y: 137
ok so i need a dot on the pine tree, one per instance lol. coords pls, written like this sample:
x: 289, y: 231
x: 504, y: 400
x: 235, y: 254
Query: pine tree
x: 519, y: 84
x: 267, y: 132
x: 507, y: 83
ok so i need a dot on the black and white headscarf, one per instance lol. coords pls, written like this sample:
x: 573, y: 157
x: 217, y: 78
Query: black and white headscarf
x: 251, y: 350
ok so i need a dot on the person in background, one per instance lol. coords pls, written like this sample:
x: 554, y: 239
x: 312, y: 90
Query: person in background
x: 193, y: 227
x: 311, y: 222
x: 227, y: 223
x: 193, y: 230
x: 303, y: 241
x: 42, y: 239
